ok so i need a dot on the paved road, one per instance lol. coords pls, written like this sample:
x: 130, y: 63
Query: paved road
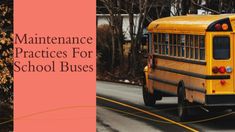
x: 120, y: 107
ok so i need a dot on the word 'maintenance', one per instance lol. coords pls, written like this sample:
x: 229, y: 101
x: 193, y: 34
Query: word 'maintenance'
x: 36, y: 39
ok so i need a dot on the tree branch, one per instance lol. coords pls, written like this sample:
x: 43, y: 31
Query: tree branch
x: 203, y: 7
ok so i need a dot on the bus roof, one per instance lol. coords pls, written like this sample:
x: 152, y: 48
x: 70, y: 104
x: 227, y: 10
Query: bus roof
x: 187, y: 24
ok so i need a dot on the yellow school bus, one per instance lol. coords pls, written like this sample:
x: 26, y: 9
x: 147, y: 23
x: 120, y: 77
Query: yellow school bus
x: 191, y: 57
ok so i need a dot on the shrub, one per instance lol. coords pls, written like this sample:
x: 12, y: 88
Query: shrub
x: 104, y: 46
x: 6, y: 53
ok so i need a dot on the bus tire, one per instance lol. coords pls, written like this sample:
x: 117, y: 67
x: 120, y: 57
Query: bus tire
x: 182, y: 102
x: 149, y: 98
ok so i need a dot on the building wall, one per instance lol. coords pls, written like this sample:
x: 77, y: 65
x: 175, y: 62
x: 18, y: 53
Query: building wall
x: 104, y: 19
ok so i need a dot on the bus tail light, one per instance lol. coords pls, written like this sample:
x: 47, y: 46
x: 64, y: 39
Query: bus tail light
x: 222, y: 69
x: 229, y: 69
x: 225, y: 26
x: 218, y: 27
x: 215, y: 69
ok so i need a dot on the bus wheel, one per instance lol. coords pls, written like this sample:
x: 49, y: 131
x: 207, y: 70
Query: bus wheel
x: 182, y: 102
x: 149, y: 98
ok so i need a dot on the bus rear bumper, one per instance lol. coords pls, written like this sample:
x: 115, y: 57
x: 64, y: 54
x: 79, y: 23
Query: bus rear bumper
x: 220, y: 100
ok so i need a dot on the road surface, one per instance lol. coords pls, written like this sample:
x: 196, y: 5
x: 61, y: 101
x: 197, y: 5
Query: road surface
x: 120, y: 108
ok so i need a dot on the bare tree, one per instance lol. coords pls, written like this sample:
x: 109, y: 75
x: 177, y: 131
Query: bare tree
x: 109, y: 4
x: 133, y: 8
x: 114, y: 9
x: 119, y: 31
x: 221, y: 6
x: 143, y: 7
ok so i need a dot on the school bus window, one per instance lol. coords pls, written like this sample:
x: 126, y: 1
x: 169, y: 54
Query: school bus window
x: 221, y: 47
x: 171, y: 44
x: 196, y: 46
x: 166, y: 43
x: 159, y: 37
x: 202, y: 47
x: 201, y: 41
x: 183, y: 44
x: 155, y: 41
x: 178, y: 45
x: 162, y: 44
x: 187, y: 46
x: 174, y: 45
x: 191, y: 46
x: 181, y: 41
